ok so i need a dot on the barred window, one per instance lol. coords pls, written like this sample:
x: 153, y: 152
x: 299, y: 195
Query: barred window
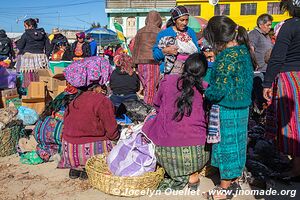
x: 248, y: 8
x: 222, y: 9
x: 194, y: 10
x: 274, y: 9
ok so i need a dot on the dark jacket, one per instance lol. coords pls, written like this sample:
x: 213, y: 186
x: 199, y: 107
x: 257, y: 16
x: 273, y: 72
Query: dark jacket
x: 34, y: 41
x: 122, y: 83
x: 85, y: 49
x: 145, y: 39
x: 5, y: 39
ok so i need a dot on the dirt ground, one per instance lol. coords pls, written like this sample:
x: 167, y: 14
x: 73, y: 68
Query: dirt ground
x: 45, y: 181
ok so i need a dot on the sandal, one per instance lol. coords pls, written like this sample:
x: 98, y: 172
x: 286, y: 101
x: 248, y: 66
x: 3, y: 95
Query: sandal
x: 83, y: 175
x: 218, y: 193
x: 194, y: 186
x: 73, y: 173
x: 234, y: 187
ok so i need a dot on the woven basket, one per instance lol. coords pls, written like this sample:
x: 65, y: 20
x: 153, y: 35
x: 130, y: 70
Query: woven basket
x: 9, y: 138
x: 101, y: 178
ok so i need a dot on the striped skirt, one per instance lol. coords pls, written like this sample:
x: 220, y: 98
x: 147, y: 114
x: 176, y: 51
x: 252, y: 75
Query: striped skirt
x: 75, y: 155
x: 283, y: 115
x: 149, y: 75
x: 28, y: 64
x: 229, y: 155
x: 180, y: 163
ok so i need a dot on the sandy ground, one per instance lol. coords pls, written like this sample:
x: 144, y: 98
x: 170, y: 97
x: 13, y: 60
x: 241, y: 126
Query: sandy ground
x: 45, y: 181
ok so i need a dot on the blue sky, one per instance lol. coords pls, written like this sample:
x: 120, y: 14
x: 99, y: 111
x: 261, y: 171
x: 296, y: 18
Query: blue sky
x: 65, y: 14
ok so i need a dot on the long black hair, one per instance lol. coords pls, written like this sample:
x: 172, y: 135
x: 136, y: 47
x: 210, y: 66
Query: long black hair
x: 221, y: 29
x: 32, y: 22
x: 288, y: 5
x: 193, y: 72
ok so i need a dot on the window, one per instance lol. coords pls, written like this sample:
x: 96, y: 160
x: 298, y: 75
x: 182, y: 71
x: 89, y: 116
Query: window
x: 274, y: 9
x: 119, y: 20
x: 194, y: 10
x: 222, y: 9
x: 248, y: 8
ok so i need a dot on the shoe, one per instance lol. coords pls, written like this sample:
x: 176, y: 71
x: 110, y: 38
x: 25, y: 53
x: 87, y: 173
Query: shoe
x: 83, y: 175
x: 235, y: 187
x: 194, y: 186
x: 218, y: 193
x: 73, y: 174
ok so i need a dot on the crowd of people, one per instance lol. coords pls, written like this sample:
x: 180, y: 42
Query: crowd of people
x: 201, y: 96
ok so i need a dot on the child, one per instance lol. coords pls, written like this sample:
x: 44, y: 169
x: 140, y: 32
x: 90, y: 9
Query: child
x: 124, y: 82
x: 179, y: 128
x: 230, y: 89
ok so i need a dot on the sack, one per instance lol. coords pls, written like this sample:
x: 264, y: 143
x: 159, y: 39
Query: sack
x: 133, y: 155
x: 27, y: 115
x: 4, y: 46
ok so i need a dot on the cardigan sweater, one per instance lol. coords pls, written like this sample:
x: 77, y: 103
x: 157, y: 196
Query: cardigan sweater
x: 158, y: 55
x: 231, y: 81
x: 163, y: 130
x: 90, y: 118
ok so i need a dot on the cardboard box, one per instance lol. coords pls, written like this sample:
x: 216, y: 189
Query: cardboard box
x: 51, y: 80
x: 39, y: 107
x: 4, y: 101
x: 36, y: 90
x: 9, y: 92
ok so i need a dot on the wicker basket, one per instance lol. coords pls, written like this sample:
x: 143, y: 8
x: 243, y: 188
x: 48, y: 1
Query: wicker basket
x: 9, y: 138
x: 101, y: 178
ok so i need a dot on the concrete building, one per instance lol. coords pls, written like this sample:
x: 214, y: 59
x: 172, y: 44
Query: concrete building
x: 131, y: 14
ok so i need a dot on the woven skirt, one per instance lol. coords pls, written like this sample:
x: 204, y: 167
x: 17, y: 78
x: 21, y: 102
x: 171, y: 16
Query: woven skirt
x: 28, y: 64
x: 229, y: 155
x: 180, y: 163
x: 283, y: 115
x: 76, y: 155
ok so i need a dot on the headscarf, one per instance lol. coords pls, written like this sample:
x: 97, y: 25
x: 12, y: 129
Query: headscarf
x: 124, y: 62
x: 179, y: 11
x: 80, y: 35
x: 83, y: 73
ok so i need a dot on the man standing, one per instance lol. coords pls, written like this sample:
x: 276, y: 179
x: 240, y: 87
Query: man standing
x: 148, y: 68
x: 261, y: 43
x: 93, y: 44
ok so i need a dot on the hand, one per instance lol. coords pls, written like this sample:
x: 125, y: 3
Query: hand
x: 170, y: 50
x: 267, y: 93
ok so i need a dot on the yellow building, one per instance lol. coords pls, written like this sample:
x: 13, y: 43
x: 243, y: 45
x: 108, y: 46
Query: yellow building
x: 243, y: 13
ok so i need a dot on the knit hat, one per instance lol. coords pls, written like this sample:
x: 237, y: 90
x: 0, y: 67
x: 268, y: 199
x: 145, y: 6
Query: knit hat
x: 179, y: 11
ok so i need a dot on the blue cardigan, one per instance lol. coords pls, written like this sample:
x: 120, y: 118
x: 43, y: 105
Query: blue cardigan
x: 157, y: 52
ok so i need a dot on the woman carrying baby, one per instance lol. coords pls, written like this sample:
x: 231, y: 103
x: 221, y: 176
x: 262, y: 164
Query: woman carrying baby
x: 175, y: 43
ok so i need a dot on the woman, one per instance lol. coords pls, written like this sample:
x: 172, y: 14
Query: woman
x: 61, y: 52
x: 283, y: 72
x: 179, y: 128
x: 34, y: 48
x: 124, y: 82
x: 148, y: 68
x: 230, y: 89
x: 89, y: 121
x: 80, y: 49
x: 174, y: 44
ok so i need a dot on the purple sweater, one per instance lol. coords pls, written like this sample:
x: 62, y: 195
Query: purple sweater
x: 163, y: 130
